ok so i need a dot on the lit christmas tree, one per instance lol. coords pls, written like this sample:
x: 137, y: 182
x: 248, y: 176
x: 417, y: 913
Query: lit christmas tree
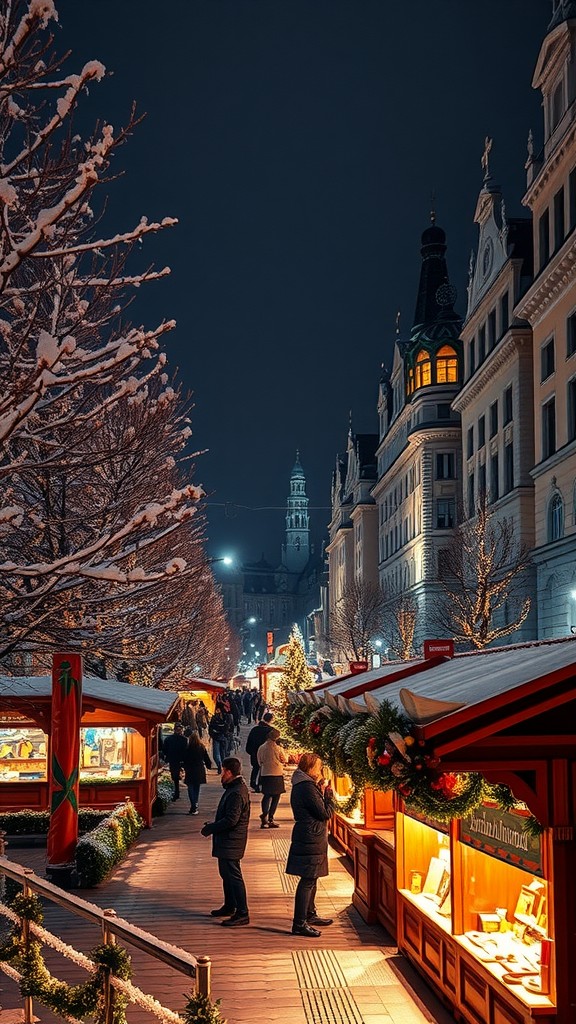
x: 295, y: 675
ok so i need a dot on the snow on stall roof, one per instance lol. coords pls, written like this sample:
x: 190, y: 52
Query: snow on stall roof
x: 341, y: 684
x: 109, y: 691
x: 476, y: 677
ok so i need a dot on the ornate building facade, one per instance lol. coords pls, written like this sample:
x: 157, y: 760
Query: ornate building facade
x: 419, y: 449
x: 549, y: 306
x: 495, y: 402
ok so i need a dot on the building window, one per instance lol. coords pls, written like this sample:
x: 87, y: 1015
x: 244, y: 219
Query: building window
x: 555, y: 518
x: 571, y: 335
x: 559, y: 226
x: 572, y: 200
x: 443, y: 411
x: 549, y: 428
x: 557, y: 106
x: 445, y: 514
x: 471, y: 496
x: 446, y: 365
x: 491, y: 330
x: 547, y: 360
x: 508, y: 468
x: 544, y: 238
x: 504, y: 313
x: 481, y: 344
x: 472, y: 355
x: 482, y: 481
x: 470, y: 442
x: 494, y: 419
x: 445, y: 465
x: 508, y: 407
x: 423, y: 371
x: 494, y: 478
x: 481, y: 432
x: 571, y: 409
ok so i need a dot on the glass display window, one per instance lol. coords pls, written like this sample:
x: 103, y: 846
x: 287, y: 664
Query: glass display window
x: 115, y: 752
x: 425, y: 869
x: 22, y: 754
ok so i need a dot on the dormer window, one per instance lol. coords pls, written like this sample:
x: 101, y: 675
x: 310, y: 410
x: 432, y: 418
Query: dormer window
x: 446, y: 365
x: 423, y: 369
x: 557, y: 105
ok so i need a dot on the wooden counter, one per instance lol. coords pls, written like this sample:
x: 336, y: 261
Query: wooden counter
x: 473, y: 989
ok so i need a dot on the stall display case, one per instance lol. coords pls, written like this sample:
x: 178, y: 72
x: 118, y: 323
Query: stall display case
x: 22, y: 754
x: 473, y: 915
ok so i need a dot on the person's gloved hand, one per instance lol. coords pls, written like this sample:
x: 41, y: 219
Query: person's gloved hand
x: 205, y: 830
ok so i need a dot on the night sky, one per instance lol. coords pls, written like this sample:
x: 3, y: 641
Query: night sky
x: 298, y: 143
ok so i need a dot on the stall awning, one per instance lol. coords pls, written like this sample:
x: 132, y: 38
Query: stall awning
x: 17, y: 691
x: 480, y: 681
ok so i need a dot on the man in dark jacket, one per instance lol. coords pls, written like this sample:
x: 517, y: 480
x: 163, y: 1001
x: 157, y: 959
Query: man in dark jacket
x: 229, y: 832
x: 173, y: 752
x: 256, y: 737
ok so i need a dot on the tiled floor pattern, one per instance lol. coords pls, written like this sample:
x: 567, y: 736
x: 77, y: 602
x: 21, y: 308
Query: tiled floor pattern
x: 168, y: 884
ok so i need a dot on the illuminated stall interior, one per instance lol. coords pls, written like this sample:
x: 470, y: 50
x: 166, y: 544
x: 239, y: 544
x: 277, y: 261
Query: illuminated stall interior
x: 118, y: 742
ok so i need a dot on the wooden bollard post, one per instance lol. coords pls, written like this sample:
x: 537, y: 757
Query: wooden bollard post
x: 203, y: 980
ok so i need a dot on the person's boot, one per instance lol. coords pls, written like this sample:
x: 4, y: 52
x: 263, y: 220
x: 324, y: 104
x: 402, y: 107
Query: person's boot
x: 237, y: 920
x: 263, y: 821
x: 306, y: 930
x: 272, y: 823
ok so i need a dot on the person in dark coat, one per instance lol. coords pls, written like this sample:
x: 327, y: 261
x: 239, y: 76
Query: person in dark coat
x: 217, y: 730
x: 195, y: 762
x: 175, y: 747
x: 256, y: 737
x: 229, y: 832
x: 308, y: 854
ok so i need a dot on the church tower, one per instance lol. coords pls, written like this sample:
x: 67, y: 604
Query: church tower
x: 296, y: 550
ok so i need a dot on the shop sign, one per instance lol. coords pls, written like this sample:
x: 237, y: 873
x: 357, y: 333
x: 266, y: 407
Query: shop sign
x: 424, y: 819
x: 358, y: 666
x: 438, y: 648
x: 501, y: 834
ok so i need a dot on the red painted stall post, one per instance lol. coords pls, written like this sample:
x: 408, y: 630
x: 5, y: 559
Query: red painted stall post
x: 64, y: 771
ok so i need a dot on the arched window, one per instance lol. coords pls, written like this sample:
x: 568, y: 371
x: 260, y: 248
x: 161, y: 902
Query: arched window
x: 423, y: 370
x: 555, y: 518
x: 446, y: 365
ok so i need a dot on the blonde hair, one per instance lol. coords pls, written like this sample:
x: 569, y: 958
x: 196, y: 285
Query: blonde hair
x: 308, y: 761
x: 274, y: 734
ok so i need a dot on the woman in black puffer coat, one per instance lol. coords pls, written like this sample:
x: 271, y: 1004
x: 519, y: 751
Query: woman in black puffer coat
x: 195, y: 762
x: 308, y: 855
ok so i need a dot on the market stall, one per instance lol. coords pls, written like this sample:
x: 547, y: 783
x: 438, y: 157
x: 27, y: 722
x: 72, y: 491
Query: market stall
x: 118, y: 742
x: 485, y: 902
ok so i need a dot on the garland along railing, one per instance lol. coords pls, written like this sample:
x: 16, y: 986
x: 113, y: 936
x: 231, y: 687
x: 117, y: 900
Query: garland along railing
x: 108, y: 992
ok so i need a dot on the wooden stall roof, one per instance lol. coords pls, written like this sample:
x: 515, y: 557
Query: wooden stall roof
x: 470, y: 679
x: 17, y: 691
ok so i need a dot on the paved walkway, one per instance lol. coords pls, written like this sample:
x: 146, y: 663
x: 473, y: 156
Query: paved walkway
x: 169, y: 883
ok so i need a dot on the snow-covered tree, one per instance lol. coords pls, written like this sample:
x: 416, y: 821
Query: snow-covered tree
x: 97, y: 514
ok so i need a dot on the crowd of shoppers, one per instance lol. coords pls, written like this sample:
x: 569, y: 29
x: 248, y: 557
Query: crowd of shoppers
x: 311, y: 799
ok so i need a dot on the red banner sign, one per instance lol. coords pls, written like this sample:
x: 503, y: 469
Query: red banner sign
x: 438, y: 648
x: 64, y: 772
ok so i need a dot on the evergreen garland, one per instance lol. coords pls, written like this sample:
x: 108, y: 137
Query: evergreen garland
x: 383, y: 752
x: 85, y: 1000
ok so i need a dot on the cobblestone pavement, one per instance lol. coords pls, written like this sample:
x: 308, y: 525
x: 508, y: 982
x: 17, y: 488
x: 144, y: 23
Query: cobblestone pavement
x: 169, y: 883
